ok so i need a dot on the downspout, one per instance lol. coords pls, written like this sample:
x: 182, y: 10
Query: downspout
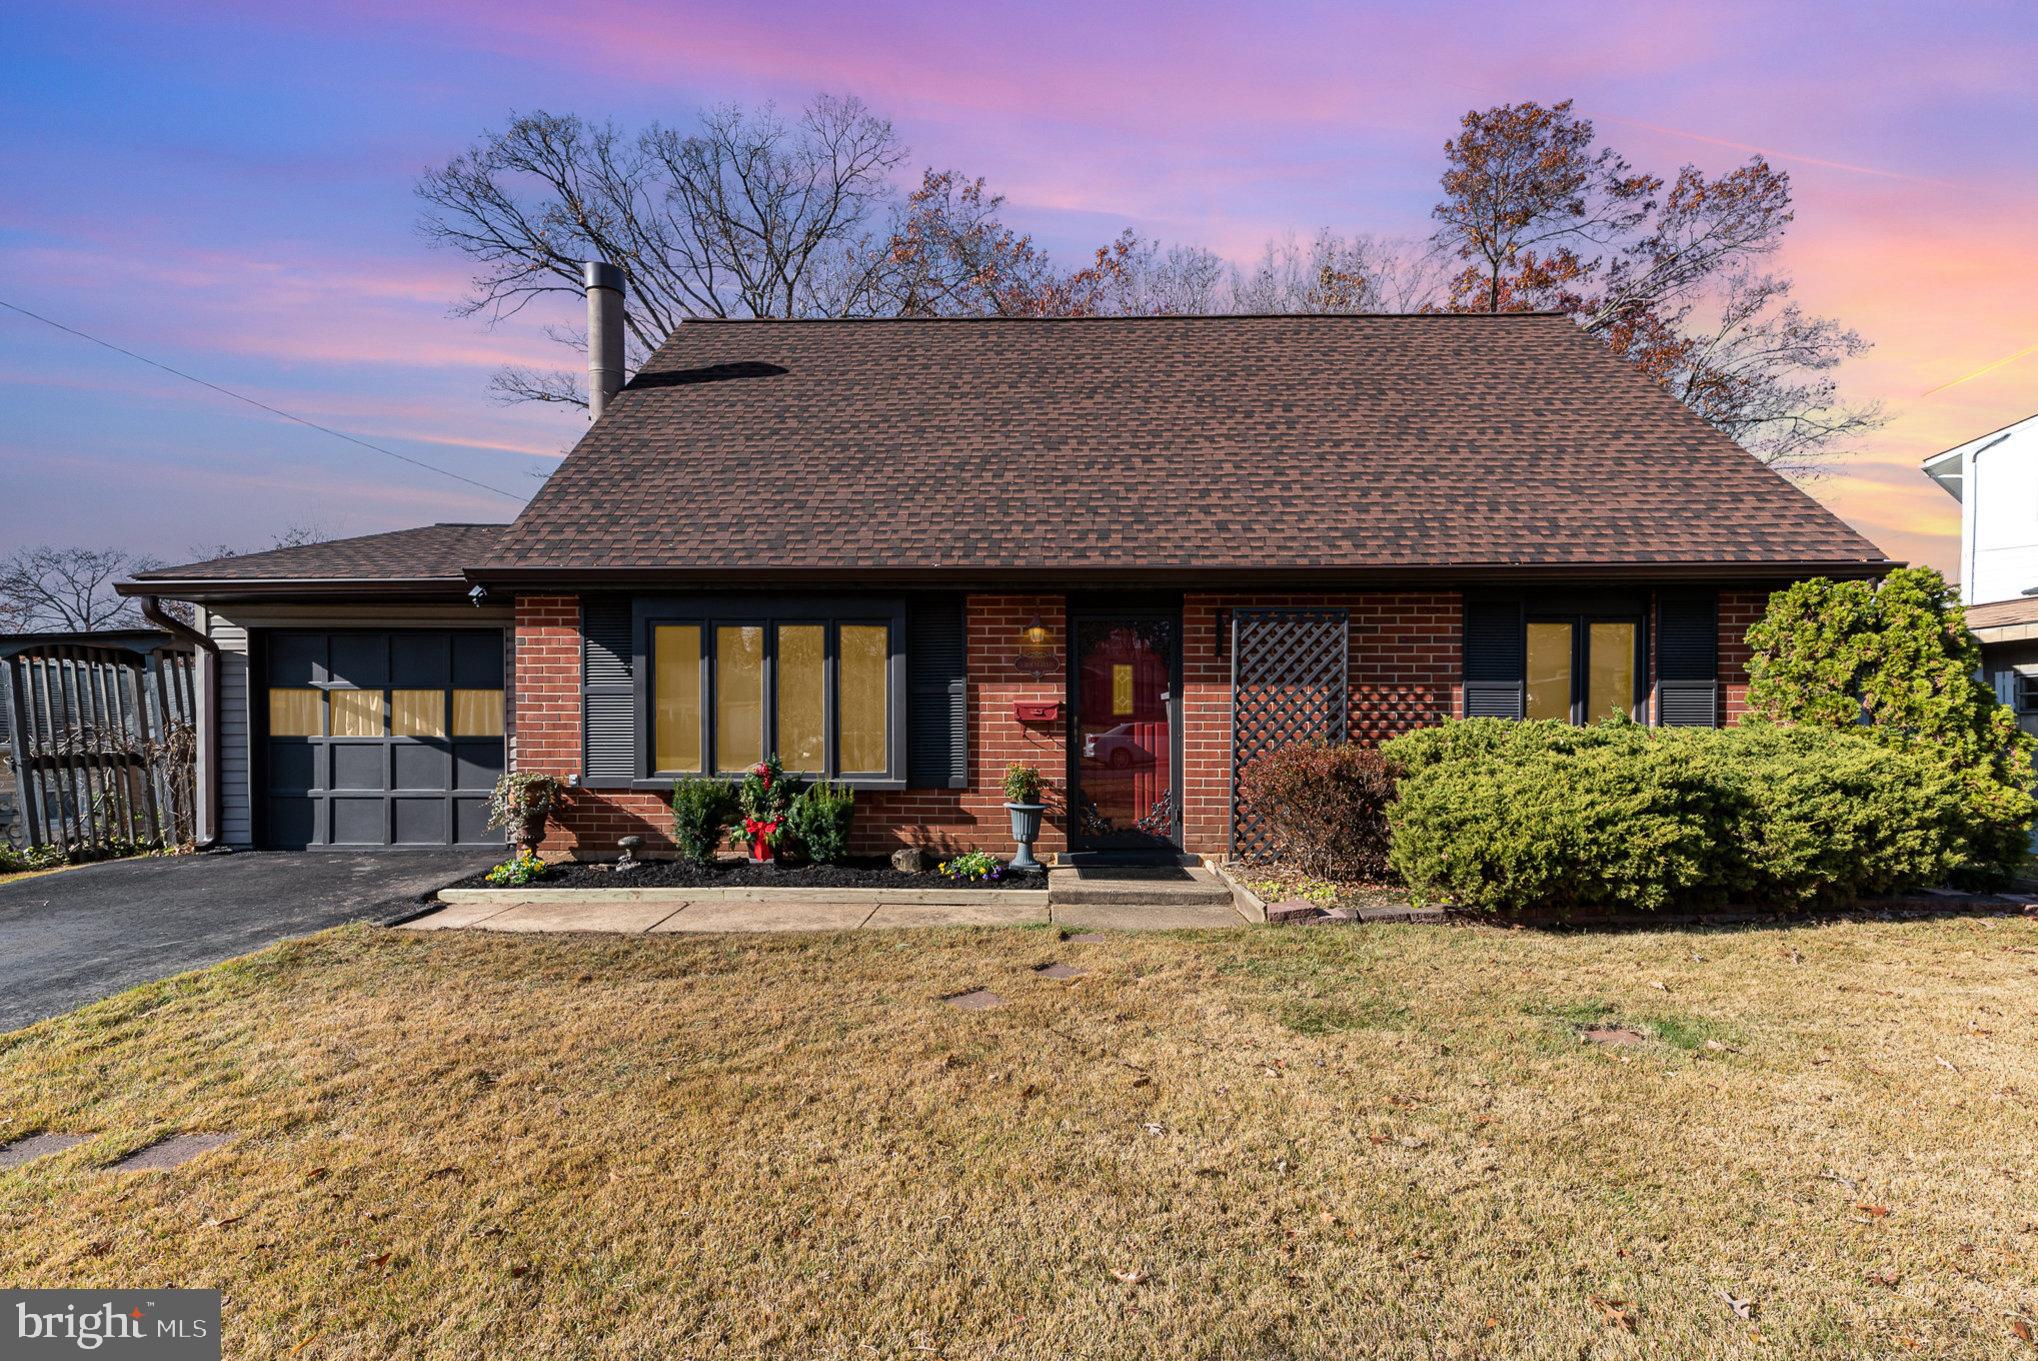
x: 209, y: 708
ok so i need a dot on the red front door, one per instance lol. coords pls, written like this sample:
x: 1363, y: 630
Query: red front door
x: 1123, y: 787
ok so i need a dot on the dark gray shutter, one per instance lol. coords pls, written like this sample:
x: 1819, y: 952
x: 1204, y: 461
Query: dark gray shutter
x: 607, y: 693
x: 2004, y: 679
x: 1496, y: 660
x: 1687, y: 661
x: 937, y: 694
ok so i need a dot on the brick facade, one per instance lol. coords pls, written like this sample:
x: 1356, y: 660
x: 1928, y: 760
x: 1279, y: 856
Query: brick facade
x: 587, y: 825
x: 1406, y: 669
x: 1738, y: 610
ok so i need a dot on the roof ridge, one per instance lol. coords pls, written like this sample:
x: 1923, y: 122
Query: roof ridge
x: 1542, y: 314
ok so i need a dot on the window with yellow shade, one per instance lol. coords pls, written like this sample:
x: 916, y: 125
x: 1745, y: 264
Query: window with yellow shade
x: 477, y: 713
x: 1582, y: 670
x: 1610, y: 673
x: 355, y: 713
x: 864, y: 699
x: 739, y: 696
x: 417, y: 713
x: 676, y: 699
x: 296, y: 711
x: 1549, y: 671
x: 802, y: 699
x: 816, y: 691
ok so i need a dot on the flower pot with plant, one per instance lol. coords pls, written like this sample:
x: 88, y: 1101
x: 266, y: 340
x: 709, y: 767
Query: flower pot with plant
x: 1022, y: 801
x: 763, y: 799
x: 521, y: 802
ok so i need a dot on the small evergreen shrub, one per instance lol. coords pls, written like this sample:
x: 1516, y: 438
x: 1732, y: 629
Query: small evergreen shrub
x: 1510, y: 816
x: 1326, y: 807
x: 820, y: 819
x: 701, y: 813
x: 1543, y: 827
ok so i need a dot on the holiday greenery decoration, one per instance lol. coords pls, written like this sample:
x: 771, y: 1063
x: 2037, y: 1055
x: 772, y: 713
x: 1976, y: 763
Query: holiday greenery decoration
x: 763, y: 799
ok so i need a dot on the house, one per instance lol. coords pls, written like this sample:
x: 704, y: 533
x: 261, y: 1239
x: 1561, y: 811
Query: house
x: 1995, y: 479
x: 1134, y: 552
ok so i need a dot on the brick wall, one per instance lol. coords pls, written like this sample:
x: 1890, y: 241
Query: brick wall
x: 1405, y: 671
x: 1738, y: 610
x: 1405, y: 665
x: 588, y: 823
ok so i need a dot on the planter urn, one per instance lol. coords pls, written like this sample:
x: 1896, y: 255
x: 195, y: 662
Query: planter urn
x: 1026, y: 831
x: 527, y: 829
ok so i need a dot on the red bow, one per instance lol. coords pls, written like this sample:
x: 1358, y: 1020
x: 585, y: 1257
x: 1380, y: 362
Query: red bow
x: 760, y: 831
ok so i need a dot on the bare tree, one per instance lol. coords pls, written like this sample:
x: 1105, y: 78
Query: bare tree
x: 60, y: 590
x: 306, y: 529
x: 1338, y: 273
x: 1148, y: 279
x: 751, y: 215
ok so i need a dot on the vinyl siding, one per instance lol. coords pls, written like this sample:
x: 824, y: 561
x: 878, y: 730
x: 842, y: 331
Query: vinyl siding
x: 236, y: 822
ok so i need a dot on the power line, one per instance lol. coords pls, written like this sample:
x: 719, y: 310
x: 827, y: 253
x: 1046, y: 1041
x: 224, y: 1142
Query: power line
x: 274, y: 411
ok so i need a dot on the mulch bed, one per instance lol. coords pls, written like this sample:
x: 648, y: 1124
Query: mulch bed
x: 868, y: 872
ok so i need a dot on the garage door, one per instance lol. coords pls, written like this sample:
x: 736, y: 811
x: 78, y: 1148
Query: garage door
x: 380, y: 738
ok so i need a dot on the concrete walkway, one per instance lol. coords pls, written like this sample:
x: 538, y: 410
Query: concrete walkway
x: 760, y: 915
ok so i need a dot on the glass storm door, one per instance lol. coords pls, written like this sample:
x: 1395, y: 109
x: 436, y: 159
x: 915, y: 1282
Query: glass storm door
x: 1123, y: 768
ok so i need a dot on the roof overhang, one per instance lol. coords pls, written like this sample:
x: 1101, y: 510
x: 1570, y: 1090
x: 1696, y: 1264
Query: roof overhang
x: 1181, y: 576
x: 204, y: 589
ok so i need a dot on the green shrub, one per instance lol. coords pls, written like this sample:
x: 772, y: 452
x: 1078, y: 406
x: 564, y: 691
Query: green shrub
x: 701, y: 813
x: 820, y: 818
x: 1896, y: 655
x: 1615, y: 815
x: 1326, y: 807
x: 1021, y: 783
x: 1502, y: 739
x: 1824, y: 816
x: 1609, y: 824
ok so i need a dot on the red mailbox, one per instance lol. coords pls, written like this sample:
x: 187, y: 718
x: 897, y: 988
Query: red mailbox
x: 1037, y: 711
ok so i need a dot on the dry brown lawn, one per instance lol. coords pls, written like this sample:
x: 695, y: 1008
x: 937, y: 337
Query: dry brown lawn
x: 1372, y: 1142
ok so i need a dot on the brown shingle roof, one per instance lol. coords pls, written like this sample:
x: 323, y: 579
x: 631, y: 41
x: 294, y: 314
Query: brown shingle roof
x: 1322, y: 442
x: 433, y: 552
x: 1998, y: 614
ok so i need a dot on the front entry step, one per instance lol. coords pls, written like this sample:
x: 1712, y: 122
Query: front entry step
x: 1169, y: 885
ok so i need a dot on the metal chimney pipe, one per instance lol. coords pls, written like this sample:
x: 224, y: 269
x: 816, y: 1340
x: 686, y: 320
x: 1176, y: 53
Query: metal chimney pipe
x: 604, y: 334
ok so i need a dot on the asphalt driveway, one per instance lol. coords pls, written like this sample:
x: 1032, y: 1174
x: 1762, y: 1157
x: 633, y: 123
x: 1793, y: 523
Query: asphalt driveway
x: 71, y: 938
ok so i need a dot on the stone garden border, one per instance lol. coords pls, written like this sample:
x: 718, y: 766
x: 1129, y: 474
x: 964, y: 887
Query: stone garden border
x: 905, y: 897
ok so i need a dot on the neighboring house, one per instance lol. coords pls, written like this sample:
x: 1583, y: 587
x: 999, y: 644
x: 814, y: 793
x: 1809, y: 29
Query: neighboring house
x: 1995, y: 479
x: 902, y: 554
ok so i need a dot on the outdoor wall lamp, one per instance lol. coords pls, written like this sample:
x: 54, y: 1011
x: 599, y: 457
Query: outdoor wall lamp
x: 1036, y: 650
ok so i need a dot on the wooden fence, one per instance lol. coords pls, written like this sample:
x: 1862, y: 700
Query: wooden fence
x: 102, y: 744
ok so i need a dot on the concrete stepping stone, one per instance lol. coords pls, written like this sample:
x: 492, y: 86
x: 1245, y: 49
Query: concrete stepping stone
x: 171, y: 1152
x: 38, y: 1146
x: 1058, y: 970
x: 1618, y: 1035
x: 982, y: 999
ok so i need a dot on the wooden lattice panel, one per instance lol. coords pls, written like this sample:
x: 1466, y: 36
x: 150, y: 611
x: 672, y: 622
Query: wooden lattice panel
x: 1289, y: 683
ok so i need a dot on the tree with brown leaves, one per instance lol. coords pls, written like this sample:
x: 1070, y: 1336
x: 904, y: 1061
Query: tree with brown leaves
x: 1543, y: 217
